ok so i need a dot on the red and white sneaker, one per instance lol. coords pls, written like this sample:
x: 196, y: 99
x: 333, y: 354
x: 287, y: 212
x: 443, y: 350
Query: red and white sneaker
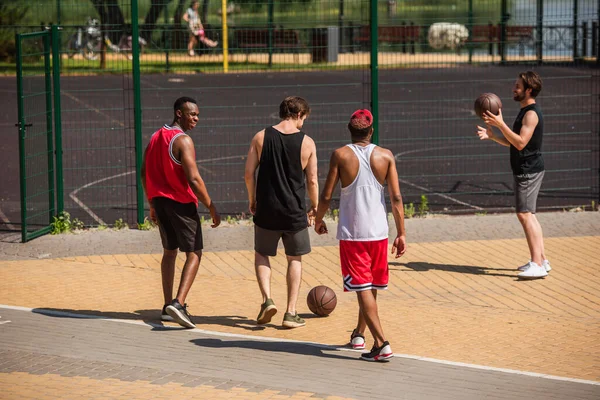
x: 357, y: 340
x: 379, y: 353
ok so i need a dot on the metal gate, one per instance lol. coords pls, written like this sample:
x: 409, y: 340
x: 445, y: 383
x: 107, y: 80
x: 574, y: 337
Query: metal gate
x: 36, y: 139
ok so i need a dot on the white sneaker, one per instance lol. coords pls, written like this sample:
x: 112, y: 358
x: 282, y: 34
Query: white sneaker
x: 534, y: 271
x: 545, y: 264
x: 191, y: 53
x: 357, y: 341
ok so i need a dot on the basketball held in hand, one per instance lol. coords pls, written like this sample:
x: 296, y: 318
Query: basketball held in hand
x: 321, y: 300
x: 487, y: 102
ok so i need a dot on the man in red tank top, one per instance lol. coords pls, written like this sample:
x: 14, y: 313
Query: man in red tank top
x: 173, y: 187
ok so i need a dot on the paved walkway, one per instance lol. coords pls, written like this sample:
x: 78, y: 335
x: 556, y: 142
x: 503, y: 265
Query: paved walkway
x: 461, y: 323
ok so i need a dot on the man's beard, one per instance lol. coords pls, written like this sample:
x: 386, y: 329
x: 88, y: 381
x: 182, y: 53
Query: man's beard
x: 519, y: 97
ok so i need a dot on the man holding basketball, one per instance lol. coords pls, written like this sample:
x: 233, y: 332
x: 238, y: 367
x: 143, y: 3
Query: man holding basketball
x: 527, y: 163
x: 363, y: 168
x: 286, y: 159
x: 173, y: 187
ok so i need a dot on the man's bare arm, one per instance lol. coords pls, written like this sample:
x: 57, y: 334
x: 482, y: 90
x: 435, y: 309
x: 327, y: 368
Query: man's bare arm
x: 518, y: 140
x: 312, y: 178
x: 252, y: 162
x: 184, y: 149
x: 399, y: 246
x: 333, y: 177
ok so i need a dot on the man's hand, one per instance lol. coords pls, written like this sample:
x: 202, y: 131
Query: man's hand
x: 252, y: 207
x: 493, y: 120
x: 321, y: 227
x: 399, y: 246
x: 312, y: 214
x: 485, y: 133
x: 153, y: 217
x: 214, y: 215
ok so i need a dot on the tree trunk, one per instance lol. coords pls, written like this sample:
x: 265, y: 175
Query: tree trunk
x: 180, y: 33
x: 204, y: 11
x: 156, y: 7
x: 111, y: 18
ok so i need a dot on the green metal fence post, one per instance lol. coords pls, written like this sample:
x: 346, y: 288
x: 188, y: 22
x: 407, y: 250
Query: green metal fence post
x: 137, y: 110
x: 470, y: 19
x: 271, y: 8
x: 575, y: 22
x: 167, y: 37
x: 503, y: 20
x: 49, y: 136
x: 22, y: 130
x: 540, y: 32
x: 374, y: 72
x: 57, y: 119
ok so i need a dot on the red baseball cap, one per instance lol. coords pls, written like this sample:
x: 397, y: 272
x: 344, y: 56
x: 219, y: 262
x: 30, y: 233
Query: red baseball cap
x: 361, y: 119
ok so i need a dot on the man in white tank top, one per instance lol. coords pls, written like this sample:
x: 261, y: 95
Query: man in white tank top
x: 363, y: 168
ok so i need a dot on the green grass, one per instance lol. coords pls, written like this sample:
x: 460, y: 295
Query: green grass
x: 119, y: 67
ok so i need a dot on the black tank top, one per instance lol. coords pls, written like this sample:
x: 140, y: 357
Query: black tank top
x: 280, y: 188
x: 529, y: 160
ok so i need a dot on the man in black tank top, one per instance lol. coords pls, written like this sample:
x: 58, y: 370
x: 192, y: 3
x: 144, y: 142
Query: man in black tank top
x: 286, y: 160
x: 527, y: 163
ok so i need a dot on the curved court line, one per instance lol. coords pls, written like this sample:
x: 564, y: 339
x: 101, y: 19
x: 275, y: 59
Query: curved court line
x: 73, y: 194
x: 56, y: 313
x: 5, y: 220
x: 429, y: 190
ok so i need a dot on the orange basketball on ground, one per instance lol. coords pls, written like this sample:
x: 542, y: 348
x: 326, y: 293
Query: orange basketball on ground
x: 487, y: 102
x: 321, y: 300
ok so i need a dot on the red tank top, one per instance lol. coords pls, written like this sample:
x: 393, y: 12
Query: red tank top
x: 164, y: 173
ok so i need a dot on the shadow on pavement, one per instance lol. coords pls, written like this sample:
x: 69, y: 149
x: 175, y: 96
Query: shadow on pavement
x: 282, y: 347
x: 237, y: 321
x: 463, y: 269
x: 150, y: 317
x: 234, y: 321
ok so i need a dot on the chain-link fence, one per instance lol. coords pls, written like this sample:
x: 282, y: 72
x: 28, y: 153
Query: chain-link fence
x: 120, y: 74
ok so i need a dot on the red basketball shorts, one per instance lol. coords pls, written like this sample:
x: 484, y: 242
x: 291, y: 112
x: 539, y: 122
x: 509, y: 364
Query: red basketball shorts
x: 364, y: 265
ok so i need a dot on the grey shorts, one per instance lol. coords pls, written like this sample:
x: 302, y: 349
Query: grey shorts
x: 294, y: 243
x: 527, y: 188
x: 179, y: 225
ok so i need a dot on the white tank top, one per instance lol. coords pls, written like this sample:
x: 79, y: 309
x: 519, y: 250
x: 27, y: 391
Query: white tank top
x: 363, y: 216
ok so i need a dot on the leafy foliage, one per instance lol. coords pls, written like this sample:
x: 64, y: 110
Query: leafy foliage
x: 11, y: 13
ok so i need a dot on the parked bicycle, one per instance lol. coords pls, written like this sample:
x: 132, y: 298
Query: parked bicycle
x: 87, y: 41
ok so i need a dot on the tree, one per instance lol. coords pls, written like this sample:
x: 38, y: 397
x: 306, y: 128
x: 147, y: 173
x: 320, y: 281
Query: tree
x: 11, y: 13
x: 111, y: 18
x: 156, y: 8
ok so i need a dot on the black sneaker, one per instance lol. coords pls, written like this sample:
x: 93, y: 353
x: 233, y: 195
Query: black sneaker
x: 180, y: 314
x: 381, y: 353
x: 164, y: 316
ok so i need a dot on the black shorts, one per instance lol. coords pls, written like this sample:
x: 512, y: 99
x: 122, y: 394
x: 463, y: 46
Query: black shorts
x: 179, y: 225
x: 294, y: 243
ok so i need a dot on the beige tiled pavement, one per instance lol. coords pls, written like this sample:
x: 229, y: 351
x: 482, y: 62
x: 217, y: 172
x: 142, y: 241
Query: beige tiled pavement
x: 458, y: 301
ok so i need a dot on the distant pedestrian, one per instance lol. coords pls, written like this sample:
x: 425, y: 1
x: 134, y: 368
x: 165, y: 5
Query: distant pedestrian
x: 527, y: 163
x: 196, y: 29
x: 363, y: 168
x: 173, y: 187
x: 286, y: 159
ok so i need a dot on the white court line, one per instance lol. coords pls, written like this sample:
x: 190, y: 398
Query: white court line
x: 92, y: 108
x: 5, y: 219
x: 73, y: 194
x: 56, y: 313
x: 397, y: 155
